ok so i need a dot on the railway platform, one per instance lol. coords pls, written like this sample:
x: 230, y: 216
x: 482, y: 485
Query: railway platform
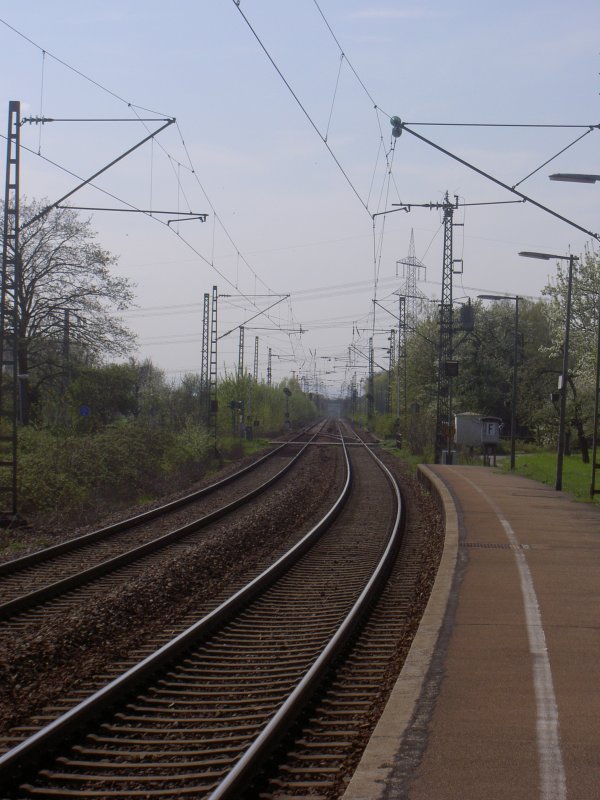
x: 500, y: 695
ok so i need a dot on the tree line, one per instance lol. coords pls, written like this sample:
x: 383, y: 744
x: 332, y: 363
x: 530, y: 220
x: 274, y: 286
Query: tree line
x: 90, y: 413
x: 485, y: 357
x: 97, y: 425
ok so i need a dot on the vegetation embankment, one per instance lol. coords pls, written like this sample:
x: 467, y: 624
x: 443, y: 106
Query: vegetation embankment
x: 135, y: 445
x: 93, y: 434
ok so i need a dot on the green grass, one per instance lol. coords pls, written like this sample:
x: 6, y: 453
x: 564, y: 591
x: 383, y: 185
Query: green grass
x: 404, y: 454
x: 541, y: 467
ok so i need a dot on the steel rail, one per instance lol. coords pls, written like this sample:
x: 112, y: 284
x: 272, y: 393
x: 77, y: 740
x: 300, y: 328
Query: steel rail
x: 31, y: 559
x: 28, y: 752
x: 19, y: 604
x: 238, y: 778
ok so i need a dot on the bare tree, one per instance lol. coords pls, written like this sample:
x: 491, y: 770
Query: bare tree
x: 67, y: 298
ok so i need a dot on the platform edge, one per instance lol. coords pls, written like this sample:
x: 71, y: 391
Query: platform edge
x: 374, y: 770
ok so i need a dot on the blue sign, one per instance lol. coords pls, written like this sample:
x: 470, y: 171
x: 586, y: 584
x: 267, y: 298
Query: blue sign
x: 85, y: 411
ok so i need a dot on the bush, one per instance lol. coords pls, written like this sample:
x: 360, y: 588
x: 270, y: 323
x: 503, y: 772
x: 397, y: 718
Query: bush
x: 64, y: 474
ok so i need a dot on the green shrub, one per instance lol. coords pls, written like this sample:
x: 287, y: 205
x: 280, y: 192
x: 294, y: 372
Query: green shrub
x: 64, y: 474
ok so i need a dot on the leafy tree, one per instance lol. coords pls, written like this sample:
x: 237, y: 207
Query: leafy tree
x: 583, y: 335
x: 268, y: 405
x: 189, y: 400
x: 422, y: 360
x: 66, y: 298
x: 114, y: 391
x: 484, y: 382
x: 107, y: 392
x: 486, y: 360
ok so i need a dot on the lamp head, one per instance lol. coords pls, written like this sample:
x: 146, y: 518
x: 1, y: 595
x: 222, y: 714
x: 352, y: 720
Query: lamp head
x: 574, y: 177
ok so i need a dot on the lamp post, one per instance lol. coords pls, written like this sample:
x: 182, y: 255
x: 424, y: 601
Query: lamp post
x: 578, y: 177
x: 513, y: 404
x: 565, y: 365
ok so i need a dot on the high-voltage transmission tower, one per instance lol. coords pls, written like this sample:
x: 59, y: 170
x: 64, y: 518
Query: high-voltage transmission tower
x: 212, y: 375
x: 447, y: 368
x: 409, y: 298
x: 9, y: 321
x: 413, y: 270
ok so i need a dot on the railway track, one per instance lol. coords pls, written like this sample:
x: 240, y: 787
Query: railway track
x: 45, y: 581
x: 195, y: 717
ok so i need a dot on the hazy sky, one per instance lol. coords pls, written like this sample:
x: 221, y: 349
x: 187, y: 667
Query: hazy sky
x: 283, y: 218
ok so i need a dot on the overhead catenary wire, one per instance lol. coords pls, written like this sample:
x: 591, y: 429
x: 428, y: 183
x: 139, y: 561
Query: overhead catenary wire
x: 556, y: 155
x: 302, y: 107
x: 211, y: 260
x: 337, y: 83
x: 484, y: 174
x: 78, y: 72
x: 358, y: 78
x: 137, y: 117
x: 41, y: 98
x: 176, y: 166
x: 135, y: 208
x: 215, y: 214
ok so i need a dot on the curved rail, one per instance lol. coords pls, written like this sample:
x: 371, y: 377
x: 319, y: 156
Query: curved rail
x: 49, y: 737
x: 52, y: 590
x: 237, y: 778
x: 39, y: 556
x: 250, y: 762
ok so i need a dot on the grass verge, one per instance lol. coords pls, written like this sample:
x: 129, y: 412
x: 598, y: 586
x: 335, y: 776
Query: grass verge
x: 542, y: 467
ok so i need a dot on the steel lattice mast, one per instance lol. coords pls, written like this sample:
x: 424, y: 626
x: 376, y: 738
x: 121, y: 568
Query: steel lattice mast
x: 255, y: 371
x: 9, y: 318
x: 204, y: 376
x: 212, y: 381
x: 391, y: 370
x: 371, y: 384
x: 241, y: 354
x: 443, y: 438
x: 401, y: 360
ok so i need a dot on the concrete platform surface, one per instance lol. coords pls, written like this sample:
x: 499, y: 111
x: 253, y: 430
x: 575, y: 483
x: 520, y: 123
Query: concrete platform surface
x: 500, y: 695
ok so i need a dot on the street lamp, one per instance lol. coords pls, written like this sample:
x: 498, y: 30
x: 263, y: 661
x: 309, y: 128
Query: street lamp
x: 577, y: 177
x: 565, y: 365
x: 574, y: 177
x: 513, y: 405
